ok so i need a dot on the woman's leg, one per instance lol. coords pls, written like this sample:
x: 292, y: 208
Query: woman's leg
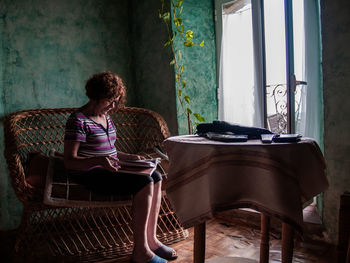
x: 143, y: 188
x: 153, y: 242
x: 155, y: 245
x: 142, y: 203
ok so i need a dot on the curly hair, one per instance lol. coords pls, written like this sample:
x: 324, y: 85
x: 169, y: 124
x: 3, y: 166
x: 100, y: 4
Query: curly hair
x: 105, y: 85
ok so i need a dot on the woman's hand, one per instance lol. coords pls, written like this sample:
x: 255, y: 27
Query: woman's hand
x: 135, y: 157
x: 74, y: 162
x: 128, y: 156
x: 110, y: 163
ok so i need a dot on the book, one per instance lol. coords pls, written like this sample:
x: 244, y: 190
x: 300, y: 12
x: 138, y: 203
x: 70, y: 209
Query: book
x: 227, y: 137
x: 143, y: 167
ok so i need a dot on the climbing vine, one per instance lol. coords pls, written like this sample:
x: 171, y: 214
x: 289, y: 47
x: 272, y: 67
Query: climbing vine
x: 187, y: 37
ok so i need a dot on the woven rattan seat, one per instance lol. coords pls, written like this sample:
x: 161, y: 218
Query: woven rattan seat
x: 79, y: 233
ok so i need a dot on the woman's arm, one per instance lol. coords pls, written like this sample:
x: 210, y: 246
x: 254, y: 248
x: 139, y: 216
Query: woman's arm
x: 74, y: 162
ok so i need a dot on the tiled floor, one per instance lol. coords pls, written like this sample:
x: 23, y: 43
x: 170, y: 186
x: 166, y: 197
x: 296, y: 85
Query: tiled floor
x: 310, y: 215
x: 237, y: 238
x: 231, y: 239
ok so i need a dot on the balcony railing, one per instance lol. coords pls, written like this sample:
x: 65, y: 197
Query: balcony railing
x: 277, y: 110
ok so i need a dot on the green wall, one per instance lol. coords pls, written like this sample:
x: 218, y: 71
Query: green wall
x: 51, y: 47
x: 47, y: 51
x: 152, y: 73
x: 199, y: 62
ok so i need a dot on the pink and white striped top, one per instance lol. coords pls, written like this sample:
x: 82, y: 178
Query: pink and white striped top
x: 95, y: 140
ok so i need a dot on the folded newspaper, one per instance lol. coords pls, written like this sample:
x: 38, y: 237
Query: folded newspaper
x: 143, y: 167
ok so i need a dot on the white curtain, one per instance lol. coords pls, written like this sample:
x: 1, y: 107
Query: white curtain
x: 312, y: 116
x: 238, y: 94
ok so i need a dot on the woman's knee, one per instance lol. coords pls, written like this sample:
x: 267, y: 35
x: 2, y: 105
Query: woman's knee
x: 156, y: 176
x: 147, y: 180
x: 143, y: 182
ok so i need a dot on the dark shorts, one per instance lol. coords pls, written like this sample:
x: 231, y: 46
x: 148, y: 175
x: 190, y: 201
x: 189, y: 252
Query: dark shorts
x: 102, y: 181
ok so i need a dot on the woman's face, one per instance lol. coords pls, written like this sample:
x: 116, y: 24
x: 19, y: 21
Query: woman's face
x: 103, y: 106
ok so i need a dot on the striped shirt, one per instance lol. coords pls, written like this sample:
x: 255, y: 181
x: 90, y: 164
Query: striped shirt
x: 95, y: 140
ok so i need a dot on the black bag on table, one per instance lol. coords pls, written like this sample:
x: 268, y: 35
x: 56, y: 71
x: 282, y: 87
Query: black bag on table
x: 226, y: 127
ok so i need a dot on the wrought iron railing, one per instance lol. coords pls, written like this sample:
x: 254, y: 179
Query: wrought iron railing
x: 276, y: 99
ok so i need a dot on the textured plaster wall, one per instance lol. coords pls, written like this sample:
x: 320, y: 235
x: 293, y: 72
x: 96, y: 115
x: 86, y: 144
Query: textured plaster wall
x: 154, y: 85
x: 199, y: 63
x: 335, y: 22
x: 48, y: 48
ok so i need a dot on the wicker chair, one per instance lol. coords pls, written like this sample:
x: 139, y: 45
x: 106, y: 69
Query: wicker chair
x: 71, y: 233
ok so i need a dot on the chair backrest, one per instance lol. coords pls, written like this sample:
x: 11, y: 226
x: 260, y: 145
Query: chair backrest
x: 139, y: 129
x: 43, y: 129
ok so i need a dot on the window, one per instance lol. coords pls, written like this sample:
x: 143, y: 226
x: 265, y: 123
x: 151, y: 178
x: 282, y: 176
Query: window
x: 269, y: 64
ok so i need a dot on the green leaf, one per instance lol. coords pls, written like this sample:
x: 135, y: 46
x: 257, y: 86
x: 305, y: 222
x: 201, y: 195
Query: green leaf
x: 182, y: 69
x: 178, y: 77
x: 180, y: 11
x: 199, y: 117
x: 189, y: 34
x: 166, y: 16
x: 184, y: 83
x: 179, y: 93
x: 178, y: 21
x: 167, y: 43
x: 179, y: 3
x: 187, y: 99
x: 202, y: 43
x: 172, y: 62
x: 188, y: 43
x: 189, y: 111
x: 182, y: 29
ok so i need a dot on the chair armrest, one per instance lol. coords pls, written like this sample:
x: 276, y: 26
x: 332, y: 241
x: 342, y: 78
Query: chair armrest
x: 23, y: 190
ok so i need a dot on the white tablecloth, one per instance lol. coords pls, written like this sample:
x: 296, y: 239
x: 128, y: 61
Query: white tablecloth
x: 206, y: 176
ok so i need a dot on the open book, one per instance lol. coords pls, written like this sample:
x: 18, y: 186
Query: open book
x: 144, y: 167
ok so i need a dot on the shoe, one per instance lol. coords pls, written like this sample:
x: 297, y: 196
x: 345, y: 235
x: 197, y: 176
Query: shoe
x: 166, y: 252
x: 155, y: 259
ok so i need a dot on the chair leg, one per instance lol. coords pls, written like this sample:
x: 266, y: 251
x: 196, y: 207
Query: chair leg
x: 287, y: 243
x: 265, y: 238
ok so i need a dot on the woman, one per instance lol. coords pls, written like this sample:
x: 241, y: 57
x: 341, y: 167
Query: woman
x: 92, y: 159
